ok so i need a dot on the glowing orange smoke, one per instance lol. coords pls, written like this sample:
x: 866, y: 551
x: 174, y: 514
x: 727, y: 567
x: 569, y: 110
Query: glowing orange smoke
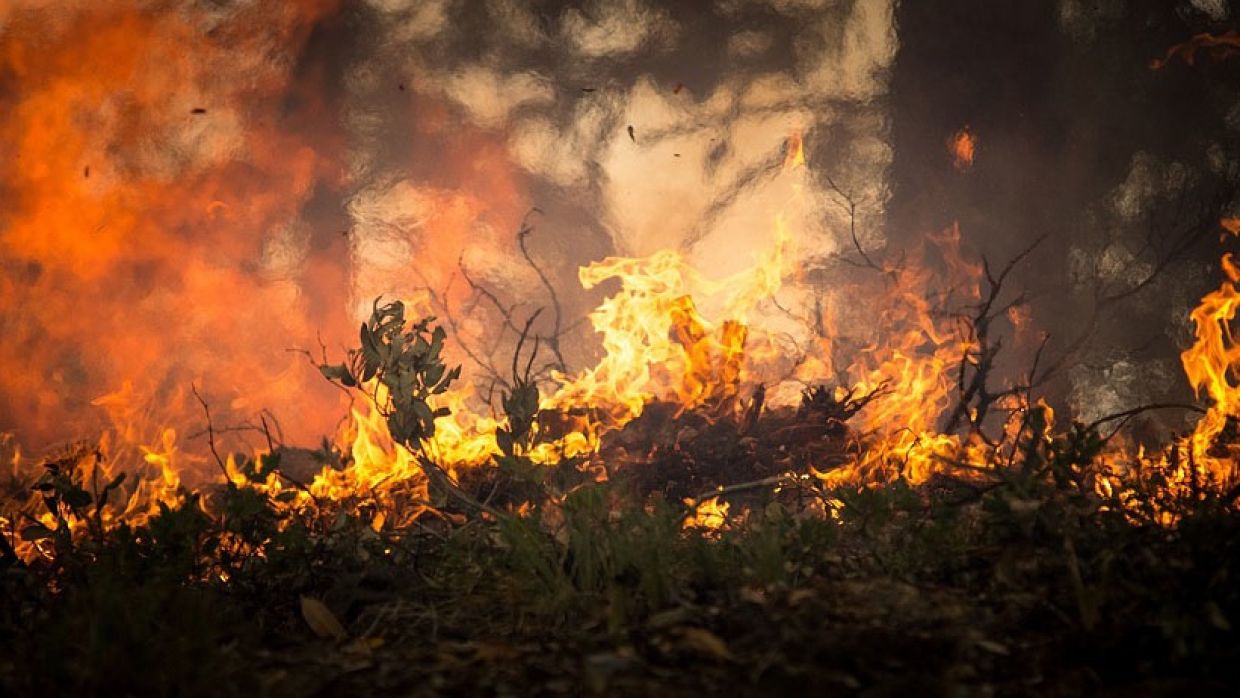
x: 961, y: 146
x: 669, y: 333
x: 153, y: 179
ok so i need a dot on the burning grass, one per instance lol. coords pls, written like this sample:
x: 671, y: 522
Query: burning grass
x: 1027, y: 582
x: 778, y: 510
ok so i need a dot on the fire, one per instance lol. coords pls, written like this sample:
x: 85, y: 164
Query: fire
x: 710, y: 514
x: 153, y: 170
x: 1211, y: 366
x: 961, y: 146
x: 1216, y: 46
x: 656, y: 343
x: 669, y: 334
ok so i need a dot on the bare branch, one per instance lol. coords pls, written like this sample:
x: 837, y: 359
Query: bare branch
x: 210, y: 432
x: 850, y: 205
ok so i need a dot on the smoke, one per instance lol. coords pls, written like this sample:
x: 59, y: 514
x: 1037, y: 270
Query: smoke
x: 1090, y: 139
x: 191, y: 189
x: 159, y: 163
x: 632, y: 126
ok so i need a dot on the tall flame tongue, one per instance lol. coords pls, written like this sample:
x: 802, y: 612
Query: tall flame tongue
x: 1212, y: 365
x: 656, y: 343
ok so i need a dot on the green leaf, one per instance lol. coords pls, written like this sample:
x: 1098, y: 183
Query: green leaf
x: 370, y: 349
x: 35, y: 532
x: 337, y: 372
x: 76, y: 497
x: 116, y: 482
x: 423, y: 411
x: 504, y: 439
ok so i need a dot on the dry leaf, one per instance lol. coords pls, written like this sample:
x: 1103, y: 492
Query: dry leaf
x: 798, y: 596
x: 321, y: 620
x: 704, y: 642
x: 993, y: 647
x: 1217, y: 619
x: 670, y: 617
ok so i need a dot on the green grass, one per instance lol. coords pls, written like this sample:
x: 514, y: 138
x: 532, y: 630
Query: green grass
x: 1023, y: 587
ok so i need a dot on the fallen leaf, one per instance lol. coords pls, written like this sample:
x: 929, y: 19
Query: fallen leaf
x: 1217, y: 619
x: 993, y: 647
x: 704, y: 642
x: 668, y: 618
x: 600, y: 667
x: 798, y: 596
x: 321, y: 620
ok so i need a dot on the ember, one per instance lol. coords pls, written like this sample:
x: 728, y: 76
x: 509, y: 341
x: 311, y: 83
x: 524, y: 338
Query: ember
x: 961, y: 146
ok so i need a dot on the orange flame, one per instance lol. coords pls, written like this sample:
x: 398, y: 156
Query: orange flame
x: 1217, y: 46
x: 1212, y: 366
x: 670, y: 333
x: 152, y: 176
x: 961, y: 146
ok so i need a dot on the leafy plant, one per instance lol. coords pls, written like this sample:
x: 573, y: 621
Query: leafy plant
x: 405, y: 360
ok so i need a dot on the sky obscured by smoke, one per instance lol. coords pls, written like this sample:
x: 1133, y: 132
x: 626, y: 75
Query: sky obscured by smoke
x: 192, y: 189
x: 188, y: 190
x: 633, y: 126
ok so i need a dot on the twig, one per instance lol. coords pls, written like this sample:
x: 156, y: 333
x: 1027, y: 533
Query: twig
x: 721, y: 491
x: 976, y: 397
x: 1127, y: 415
x: 850, y: 205
x: 516, y: 354
x: 442, y: 302
x: 440, y: 477
x: 210, y: 432
x: 553, y: 340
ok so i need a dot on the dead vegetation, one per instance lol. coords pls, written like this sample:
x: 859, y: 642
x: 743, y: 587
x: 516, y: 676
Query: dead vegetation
x: 561, y: 580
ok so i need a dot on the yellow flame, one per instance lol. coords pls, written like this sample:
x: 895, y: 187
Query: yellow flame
x: 711, y: 513
x: 659, y: 346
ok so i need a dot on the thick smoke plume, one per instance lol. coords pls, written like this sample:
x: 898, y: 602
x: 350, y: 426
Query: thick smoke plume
x: 192, y: 189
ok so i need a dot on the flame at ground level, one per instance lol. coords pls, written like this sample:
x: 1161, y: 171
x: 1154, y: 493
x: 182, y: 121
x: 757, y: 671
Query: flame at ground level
x: 660, y: 347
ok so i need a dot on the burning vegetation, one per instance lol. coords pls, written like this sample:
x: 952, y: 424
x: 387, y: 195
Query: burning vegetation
x: 785, y: 466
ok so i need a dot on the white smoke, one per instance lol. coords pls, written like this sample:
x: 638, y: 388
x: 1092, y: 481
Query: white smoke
x: 602, y: 112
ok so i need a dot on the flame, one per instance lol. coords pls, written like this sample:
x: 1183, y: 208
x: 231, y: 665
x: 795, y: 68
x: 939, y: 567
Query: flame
x: 1217, y: 46
x: 709, y: 514
x: 657, y: 345
x: 153, y: 170
x: 668, y: 334
x: 1211, y: 365
x: 961, y: 146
